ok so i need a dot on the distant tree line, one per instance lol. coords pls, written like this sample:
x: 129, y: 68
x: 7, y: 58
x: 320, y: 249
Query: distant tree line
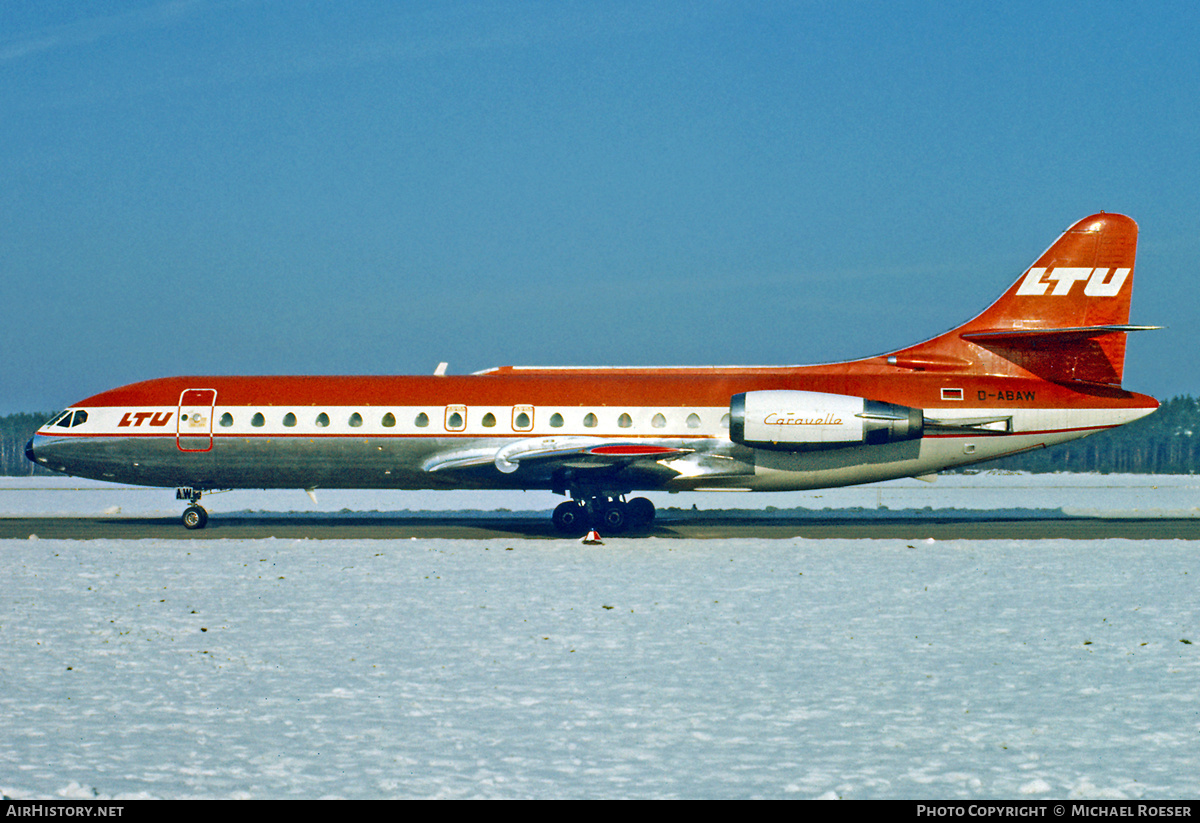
x: 1162, y: 443
x: 15, y: 431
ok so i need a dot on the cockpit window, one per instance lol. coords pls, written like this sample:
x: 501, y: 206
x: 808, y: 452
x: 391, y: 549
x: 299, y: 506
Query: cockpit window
x: 69, y: 419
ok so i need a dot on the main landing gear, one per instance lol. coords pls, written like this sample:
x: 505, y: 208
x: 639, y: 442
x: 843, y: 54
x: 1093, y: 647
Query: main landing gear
x: 608, y: 515
x: 194, y: 516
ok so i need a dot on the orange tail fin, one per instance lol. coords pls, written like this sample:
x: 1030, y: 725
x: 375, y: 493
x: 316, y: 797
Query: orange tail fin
x: 1064, y: 319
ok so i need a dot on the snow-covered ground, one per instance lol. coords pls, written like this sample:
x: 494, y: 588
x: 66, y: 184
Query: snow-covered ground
x: 642, y: 668
x: 1115, y: 495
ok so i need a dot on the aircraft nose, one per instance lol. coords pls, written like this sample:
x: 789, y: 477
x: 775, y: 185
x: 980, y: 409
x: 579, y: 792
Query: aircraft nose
x: 29, y: 451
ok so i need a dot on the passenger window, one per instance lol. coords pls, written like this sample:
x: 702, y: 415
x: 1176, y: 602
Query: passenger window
x: 422, y: 420
x: 725, y: 421
x: 522, y: 418
x: 226, y: 420
x: 625, y: 421
x: 322, y: 420
x: 258, y: 420
x: 489, y: 420
x: 355, y: 420
x: 389, y: 420
x: 289, y: 419
x: 456, y: 418
x: 693, y: 421
x: 556, y: 420
x: 658, y: 421
x: 590, y: 421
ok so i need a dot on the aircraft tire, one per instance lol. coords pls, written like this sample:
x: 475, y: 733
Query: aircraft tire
x: 614, y: 518
x: 195, y: 517
x: 570, y: 518
x: 640, y: 511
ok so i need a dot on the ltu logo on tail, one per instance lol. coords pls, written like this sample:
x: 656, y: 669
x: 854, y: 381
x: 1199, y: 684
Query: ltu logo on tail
x: 1100, y: 282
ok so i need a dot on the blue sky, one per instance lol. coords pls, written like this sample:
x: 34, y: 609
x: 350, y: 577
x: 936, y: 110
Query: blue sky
x: 271, y: 186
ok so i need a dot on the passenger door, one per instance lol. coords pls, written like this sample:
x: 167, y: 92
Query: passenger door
x: 194, y: 424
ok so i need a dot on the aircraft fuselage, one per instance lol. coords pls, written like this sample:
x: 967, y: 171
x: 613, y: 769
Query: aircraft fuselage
x: 414, y: 432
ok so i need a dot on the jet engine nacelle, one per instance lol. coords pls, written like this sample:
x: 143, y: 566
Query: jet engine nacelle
x: 810, y: 421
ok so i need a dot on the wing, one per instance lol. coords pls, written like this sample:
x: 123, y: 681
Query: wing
x: 559, y: 452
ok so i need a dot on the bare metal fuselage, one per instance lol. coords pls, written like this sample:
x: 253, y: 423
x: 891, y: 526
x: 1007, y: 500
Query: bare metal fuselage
x: 291, y: 439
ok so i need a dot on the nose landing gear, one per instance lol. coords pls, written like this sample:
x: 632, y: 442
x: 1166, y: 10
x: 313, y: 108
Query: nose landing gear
x: 194, y: 516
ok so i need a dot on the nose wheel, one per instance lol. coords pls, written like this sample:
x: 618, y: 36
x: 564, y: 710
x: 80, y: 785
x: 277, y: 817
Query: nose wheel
x: 194, y: 516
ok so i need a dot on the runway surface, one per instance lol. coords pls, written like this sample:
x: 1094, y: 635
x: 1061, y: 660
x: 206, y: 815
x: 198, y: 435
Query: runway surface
x: 694, y: 527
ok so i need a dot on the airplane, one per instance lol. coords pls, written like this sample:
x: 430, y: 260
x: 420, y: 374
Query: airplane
x: 1042, y: 365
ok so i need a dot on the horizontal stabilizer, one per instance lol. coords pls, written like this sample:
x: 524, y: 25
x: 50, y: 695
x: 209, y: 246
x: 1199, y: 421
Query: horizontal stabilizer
x: 1074, y: 333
